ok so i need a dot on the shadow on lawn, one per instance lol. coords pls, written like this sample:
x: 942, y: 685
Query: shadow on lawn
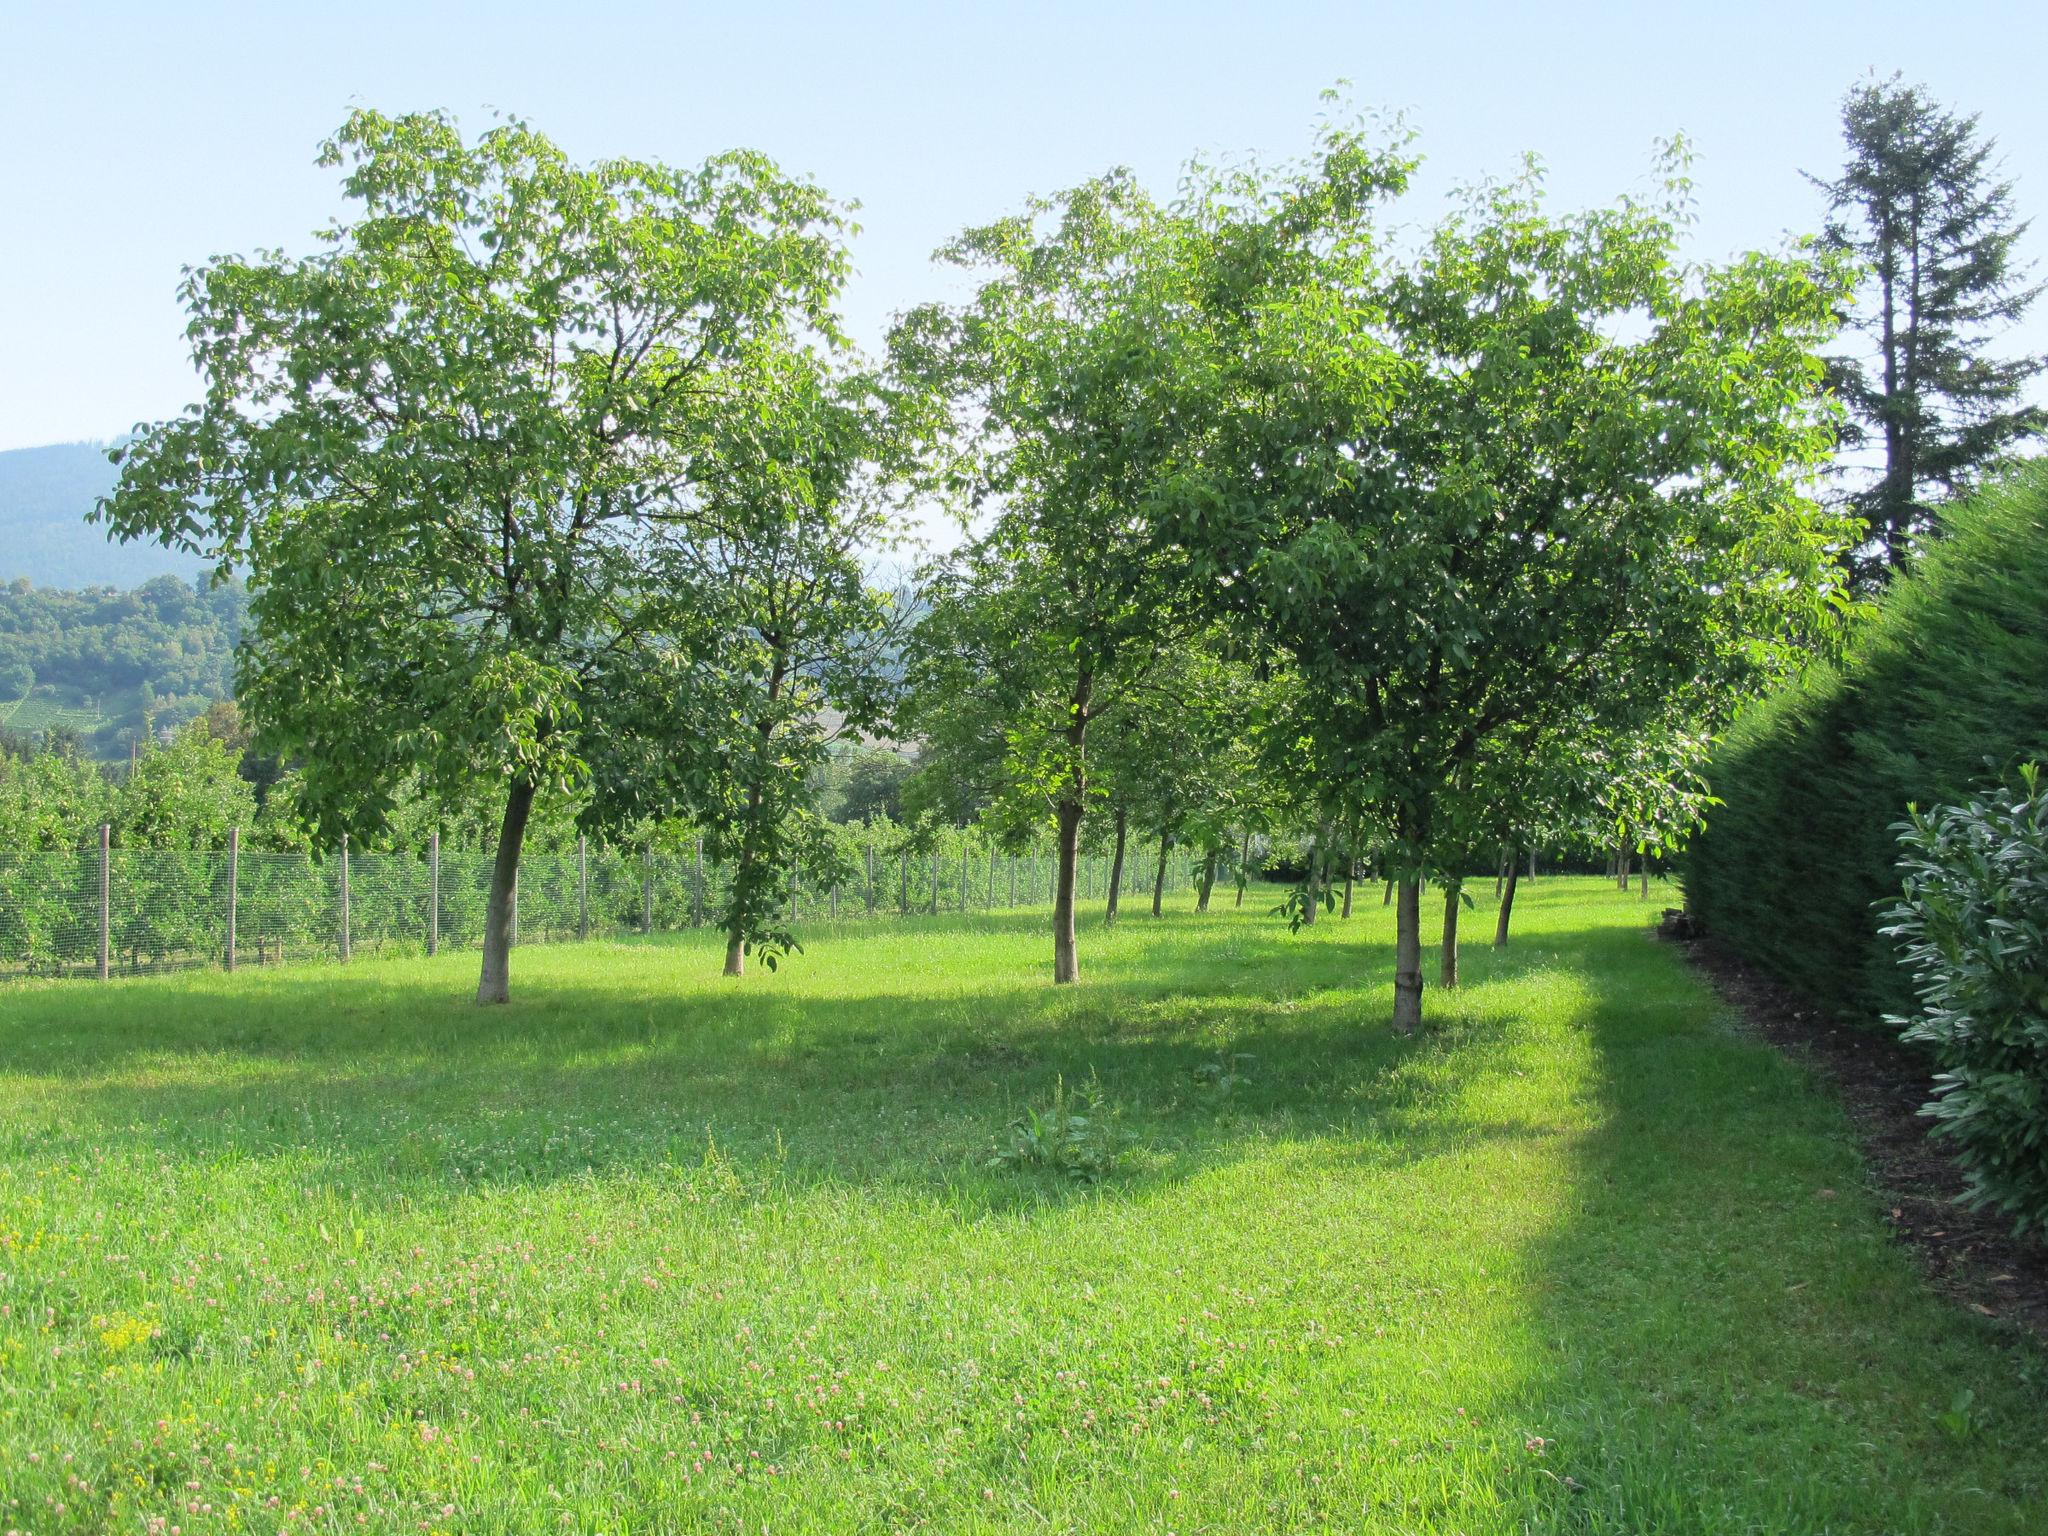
x: 403, y: 1093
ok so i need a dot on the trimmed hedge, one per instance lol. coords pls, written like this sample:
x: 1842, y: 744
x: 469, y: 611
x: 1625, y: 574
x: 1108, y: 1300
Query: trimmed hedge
x: 1946, y: 686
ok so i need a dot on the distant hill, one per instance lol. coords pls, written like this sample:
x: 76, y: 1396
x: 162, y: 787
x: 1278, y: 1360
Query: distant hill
x: 45, y: 494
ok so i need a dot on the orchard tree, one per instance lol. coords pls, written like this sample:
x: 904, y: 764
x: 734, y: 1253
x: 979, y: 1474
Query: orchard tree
x: 1541, y: 467
x: 1921, y: 206
x: 1075, y: 384
x: 462, y: 453
x: 795, y: 505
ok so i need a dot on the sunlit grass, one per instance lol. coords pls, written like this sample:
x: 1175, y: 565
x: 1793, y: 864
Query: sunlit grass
x: 650, y: 1250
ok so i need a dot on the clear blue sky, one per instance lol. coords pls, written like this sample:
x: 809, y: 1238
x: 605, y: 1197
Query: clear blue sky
x: 134, y: 139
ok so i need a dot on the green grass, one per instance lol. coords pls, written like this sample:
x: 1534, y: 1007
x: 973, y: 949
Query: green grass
x: 653, y: 1251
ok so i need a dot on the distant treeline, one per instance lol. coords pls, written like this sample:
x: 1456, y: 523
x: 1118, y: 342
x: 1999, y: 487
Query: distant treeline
x: 103, y: 667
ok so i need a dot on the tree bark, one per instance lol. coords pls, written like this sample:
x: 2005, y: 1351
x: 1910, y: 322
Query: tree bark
x: 1208, y: 881
x: 1311, y: 897
x: 1387, y: 896
x: 1507, y: 903
x: 1066, y: 962
x: 1646, y: 875
x: 495, y: 984
x: 1244, y: 865
x: 1073, y: 804
x: 1350, y: 875
x: 1116, y: 868
x: 1159, y: 879
x: 1408, y: 959
x: 1447, y: 962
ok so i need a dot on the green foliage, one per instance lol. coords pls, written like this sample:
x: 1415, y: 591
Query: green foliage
x: 1972, y: 928
x: 112, y: 664
x: 481, y: 454
x: 1794, y: 866
x: 1075, y: 1136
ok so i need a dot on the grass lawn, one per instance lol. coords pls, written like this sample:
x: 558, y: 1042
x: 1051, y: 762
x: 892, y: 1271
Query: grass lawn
x: 655, y: 1251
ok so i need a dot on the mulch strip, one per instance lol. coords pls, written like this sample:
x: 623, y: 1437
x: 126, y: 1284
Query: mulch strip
x: 1969, y: 1256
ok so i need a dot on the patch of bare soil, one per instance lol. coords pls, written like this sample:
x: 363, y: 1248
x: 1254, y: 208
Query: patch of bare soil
x: 1970, y: 1256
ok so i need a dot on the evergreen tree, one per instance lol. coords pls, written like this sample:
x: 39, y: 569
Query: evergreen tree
x: 1920, y: 206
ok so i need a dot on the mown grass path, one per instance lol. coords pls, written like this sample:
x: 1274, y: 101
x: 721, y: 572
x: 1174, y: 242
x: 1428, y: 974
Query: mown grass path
x: 653, y: 1251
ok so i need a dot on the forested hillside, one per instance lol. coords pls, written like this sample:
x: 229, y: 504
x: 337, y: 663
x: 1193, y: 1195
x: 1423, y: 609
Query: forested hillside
x: 107, y: 664
x: 45, y: 495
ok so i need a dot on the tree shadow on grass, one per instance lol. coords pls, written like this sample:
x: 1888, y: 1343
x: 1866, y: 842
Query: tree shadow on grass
x: 375, y: 1082
x: 1715, y: 1331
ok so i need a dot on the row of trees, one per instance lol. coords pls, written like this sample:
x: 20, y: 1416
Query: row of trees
x: 1457, y: 546
x: 559, y: 481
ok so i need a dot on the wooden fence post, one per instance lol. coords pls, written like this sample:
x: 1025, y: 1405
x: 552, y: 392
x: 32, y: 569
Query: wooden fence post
x: 234, y: 872
x: 106, y: 894
x: 582, y: 887
x: 344, y: 897
x: 434, y: 892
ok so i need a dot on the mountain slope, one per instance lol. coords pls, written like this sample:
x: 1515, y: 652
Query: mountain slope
x: 45, y: 494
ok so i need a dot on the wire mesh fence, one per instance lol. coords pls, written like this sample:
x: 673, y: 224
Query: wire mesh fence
x: 118, y: 911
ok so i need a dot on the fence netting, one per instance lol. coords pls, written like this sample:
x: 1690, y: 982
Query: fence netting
x: 141, y: 911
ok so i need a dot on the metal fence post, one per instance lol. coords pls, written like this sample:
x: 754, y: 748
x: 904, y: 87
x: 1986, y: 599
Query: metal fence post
x: 106, y: 894
x: 868, y: 856
x: 582, y: 887
x: 935, y: 882
x: 966, y: 876
x: 1013, y: 879
x: 647, y: 890
x: 697, y: 887
x: 234, y: 872
x: 903, y: 869
x: 434, y: 892
x: 344, y: 896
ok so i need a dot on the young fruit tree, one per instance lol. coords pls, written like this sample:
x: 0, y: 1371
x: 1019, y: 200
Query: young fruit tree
x: 793, y: 508
x: 1071, y: 388
x: 462, y: 453
x: 1543, y: 468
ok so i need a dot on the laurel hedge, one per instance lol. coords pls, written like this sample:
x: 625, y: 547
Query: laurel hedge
x: 1944, y: 689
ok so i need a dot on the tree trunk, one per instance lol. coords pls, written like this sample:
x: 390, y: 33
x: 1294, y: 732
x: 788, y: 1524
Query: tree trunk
x: 1071, y: 806
x: 495, y: 984
x: 1408, y: 959
x: 1387, y: 896
x: 1507, y: 903
x: 1500, y: 872
x: 1311, y: 896
x: 1350, y: 875
x: 1646, y: 875
x: 1159, y: 880
x: 1244, y: 865
x: 1447, y: 963
x: 1116, y: 869
x: 1066, y: 962
x: 1208, y: 881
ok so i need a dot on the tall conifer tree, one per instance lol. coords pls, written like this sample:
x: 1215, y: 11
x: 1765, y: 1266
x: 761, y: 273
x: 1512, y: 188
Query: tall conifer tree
x: 1921, y: 206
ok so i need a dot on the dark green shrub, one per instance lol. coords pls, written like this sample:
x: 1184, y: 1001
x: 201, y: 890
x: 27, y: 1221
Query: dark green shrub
x: 1795, y: 866
x: 1973, y: 930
